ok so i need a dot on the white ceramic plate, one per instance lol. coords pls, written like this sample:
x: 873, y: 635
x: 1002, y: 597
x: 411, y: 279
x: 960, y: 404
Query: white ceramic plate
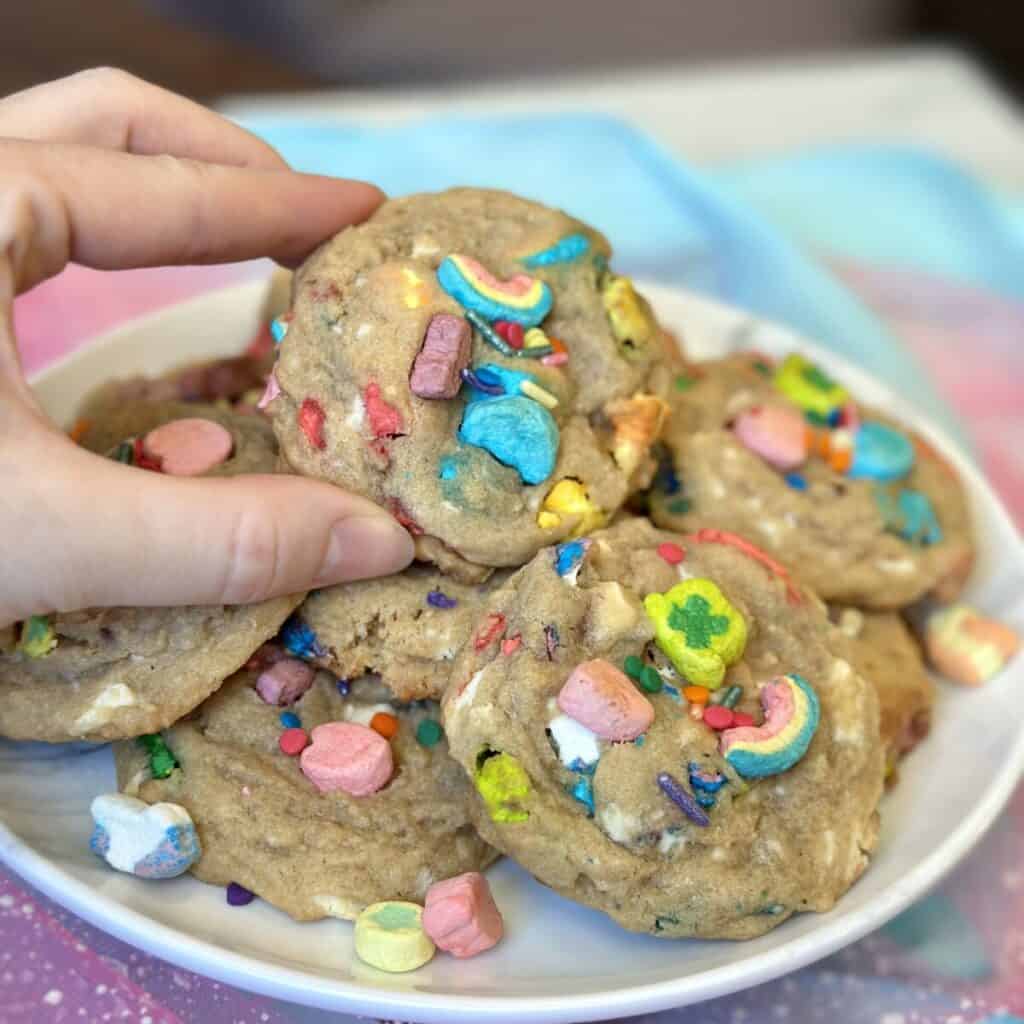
x: 559, y: 962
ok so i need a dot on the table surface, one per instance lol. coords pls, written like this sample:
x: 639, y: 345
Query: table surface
x: 958, y: 956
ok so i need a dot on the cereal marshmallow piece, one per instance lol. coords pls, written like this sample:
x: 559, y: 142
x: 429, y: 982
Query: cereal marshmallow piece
x: 504, y: 786
x: 188, y: 447
x: 150, y: 841
x: 390, y: 936
x: 349, y: 757
x: 775, y: 432
x: 809, y: 387
x: 601, y: 697
x: 568, y: 499
x: 442, y: 357
x: 627, y: 314
x: 698, y: 629
x: 637, y: 424
x: 285, y: 681
x: 966, y: 646
x: 461, y: 916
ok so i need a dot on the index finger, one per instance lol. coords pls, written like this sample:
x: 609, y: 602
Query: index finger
x: 115, y: 110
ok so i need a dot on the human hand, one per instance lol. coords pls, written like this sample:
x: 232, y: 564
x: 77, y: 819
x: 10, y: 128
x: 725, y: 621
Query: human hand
x: 109, y: 171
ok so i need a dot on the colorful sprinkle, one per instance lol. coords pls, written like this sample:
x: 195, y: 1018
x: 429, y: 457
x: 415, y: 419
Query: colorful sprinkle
x: 343, y: 687
x: 683, y: 382
x: 521, y: 298
x: 671, y: 553
x: 569, y: 499
x: 385, y: 420
x: 149, y: 841
x: 909, y: 515
x: 517, y: 431
x: 293, y: 741
x: 384, y: 724
x: 552, y: 640
x: 390, y: 937
x: 511, y: 331
x: 583, y: 792
x: 461, y: 916
x: 633, y: 667
x: 238, y: 896
x: 732, y: 696
x: 967, y: 647
x: 37, y: 638
x: 717, y: 716
x: 791, y: 712
x: 142, y: 460
x: 742, y: 718
x: 504, y: 786
x: 491, y: 630
x: 290, y: 720
x: 650, y: 679
x: 429, y: 732
x: 511, y: 644
x: 569, y: 249
x: 161, y: 759
x: 124, y: 453
x: 679, y: 506
x: 439, y: 599
x: 712, y: 536
x: 490, y: 335
x: 880, y: 453
x: 698, y: 629
x: 697, y: 694
x: 278, y: 329
x: 270, y: 392
x: 311, y: 422
x: 674, y: 791
x: 569, y: 559
x: 443, y: 356
x: 484, y: 382
x: 797, y: 481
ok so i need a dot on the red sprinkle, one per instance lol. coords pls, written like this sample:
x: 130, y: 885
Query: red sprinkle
x: 293, y: 742
x: 144, y: 461
x: 385, y: 420
x: 742, y: 718
x: 718, y: 717
x: 311, y: 422
x: 672, y: 553
x: 511, y: 644
x: 711, y: 536
x: 397, y: 509
x: 512, y: 332
x: 493, y: 627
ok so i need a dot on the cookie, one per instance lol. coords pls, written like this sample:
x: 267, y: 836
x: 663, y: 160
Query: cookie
x: 407, y: 628
x: 865, y: 510
x: 714, y: 810
x: 884, y: 652
x: 110, y: 673
x: 265, y: 826
x: 467, y: 360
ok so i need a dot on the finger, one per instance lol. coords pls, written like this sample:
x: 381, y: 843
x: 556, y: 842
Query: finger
x: 160, y: 540
x: 112, y: 109
x: 112, y: 210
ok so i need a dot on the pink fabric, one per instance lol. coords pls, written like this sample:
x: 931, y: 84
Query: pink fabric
x: 956, y: 958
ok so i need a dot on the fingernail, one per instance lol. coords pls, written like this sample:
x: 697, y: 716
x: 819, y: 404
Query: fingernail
x: 363, y: 546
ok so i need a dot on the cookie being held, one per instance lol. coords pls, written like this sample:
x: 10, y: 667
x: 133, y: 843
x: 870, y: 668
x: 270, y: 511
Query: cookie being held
x: 110, y: 673
x: 664, y: 728
x: 305, y: 803
x: 467, y: 360
x: 867, y: 512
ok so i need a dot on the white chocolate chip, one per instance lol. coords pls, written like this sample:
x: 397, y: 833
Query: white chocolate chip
x: 103, y: 707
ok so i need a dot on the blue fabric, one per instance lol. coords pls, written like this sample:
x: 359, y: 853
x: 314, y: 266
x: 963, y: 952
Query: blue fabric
x: 666, y: 220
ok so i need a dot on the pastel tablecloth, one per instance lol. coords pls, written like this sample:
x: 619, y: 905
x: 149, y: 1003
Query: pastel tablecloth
x: 957, y: 957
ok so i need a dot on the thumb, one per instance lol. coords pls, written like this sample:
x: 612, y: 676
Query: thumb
x: 130, y: 537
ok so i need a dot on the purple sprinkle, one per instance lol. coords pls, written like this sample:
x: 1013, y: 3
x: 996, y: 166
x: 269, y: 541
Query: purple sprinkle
x: 437, y: 599
x: 238, y: 895
x: 551, y: 640
x: 671, y: 788
x: 477, y: 381
x: 343, y: 687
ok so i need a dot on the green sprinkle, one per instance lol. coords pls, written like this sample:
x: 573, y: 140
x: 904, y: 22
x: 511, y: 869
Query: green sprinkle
x: 762, y: 367
x: 815, y: 418
x: 429, y: 732
x: 732, y: 696
x: 650, y: 680
x: 37, y: 637
x: 678, y: 507
x: 634, y: 668
x: 161, y: 761
x: 684, y: 383
x: 124, y: 452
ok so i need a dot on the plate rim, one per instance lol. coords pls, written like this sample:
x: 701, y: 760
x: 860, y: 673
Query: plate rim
x: 320, y: 990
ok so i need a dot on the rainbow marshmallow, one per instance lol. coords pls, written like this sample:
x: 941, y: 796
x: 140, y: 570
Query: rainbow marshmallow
x: 791, y: 711
x: 521, y: 299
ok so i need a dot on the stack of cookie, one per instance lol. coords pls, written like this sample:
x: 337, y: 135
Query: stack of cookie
x: 654, y: 648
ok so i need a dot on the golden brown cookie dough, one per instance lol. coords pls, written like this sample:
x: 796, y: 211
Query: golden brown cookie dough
x: 885, y: 653
x: 263, y: 824
x: 770, y: 847
x: 363, y: 305
x: 119, y: 672
x: 831, y: 529
x: 407, y: 628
